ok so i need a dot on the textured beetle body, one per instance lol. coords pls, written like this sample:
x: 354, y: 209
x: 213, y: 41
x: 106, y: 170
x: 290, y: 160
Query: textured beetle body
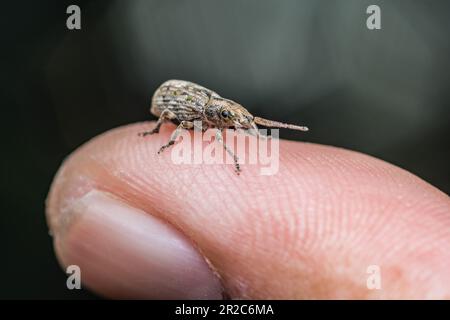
x: 184, y: 103
x: 187, y: 100
x: 191, y: 102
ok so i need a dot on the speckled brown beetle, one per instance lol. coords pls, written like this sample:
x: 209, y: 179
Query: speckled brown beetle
x: 184, y: 102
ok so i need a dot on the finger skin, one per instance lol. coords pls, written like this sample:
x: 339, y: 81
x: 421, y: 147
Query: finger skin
x: 308, y: 232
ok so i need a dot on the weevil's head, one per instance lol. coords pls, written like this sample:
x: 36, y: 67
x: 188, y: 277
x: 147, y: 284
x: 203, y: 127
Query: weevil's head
x: 224, y: 113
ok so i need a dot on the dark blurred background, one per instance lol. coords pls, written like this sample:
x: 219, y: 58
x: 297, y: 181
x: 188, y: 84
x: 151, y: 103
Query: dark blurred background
x: 384, y: 92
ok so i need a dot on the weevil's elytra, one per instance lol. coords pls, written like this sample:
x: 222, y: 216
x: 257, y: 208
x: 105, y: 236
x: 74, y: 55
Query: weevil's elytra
x: 184, y: 102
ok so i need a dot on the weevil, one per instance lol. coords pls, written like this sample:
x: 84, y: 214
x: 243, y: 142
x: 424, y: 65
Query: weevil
x: 183, y: 102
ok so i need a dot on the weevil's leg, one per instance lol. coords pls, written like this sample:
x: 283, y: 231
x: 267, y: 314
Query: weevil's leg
x: 165, y: 116
x: 219, y: 138
x: 255, y: 132
x: 183, y: 125
x: 199, y: 125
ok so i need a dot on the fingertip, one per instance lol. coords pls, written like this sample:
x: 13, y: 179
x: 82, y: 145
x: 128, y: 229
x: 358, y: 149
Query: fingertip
x: 266, y: 234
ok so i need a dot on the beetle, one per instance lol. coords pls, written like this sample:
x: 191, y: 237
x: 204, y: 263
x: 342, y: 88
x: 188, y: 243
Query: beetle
x: 184, y: 102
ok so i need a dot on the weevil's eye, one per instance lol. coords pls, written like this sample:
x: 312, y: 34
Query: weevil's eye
x: 225, y: 114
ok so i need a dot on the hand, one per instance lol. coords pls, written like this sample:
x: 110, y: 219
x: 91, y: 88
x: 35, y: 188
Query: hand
x: 140, y: 226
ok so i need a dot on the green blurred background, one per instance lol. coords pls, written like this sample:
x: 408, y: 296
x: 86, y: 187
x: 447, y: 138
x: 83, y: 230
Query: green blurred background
x: 384, y: 92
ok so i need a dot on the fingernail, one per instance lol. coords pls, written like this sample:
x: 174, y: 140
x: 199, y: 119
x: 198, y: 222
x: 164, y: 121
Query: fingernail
x: 124, y: 252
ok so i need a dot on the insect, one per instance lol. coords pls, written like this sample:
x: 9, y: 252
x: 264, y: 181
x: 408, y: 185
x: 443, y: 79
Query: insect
x: 183, y: 102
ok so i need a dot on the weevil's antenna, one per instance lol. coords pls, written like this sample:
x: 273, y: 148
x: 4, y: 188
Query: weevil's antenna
x: 276, y: 124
